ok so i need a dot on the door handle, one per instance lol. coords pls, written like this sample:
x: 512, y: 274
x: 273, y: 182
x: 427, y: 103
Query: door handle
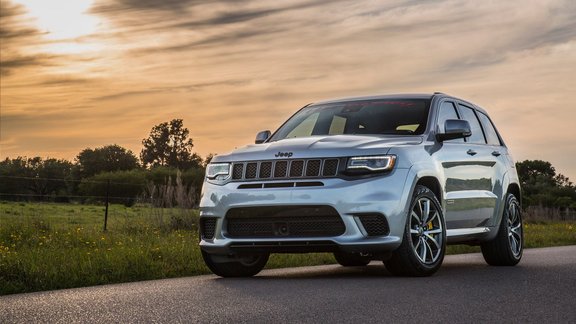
x: 471, y: 152
x: 496, y: 153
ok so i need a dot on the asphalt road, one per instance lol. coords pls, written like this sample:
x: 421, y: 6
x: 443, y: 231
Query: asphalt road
x: 542, y: 288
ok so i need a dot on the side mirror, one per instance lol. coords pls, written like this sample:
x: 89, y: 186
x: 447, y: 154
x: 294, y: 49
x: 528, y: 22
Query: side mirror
x: 454, y: 128
x: 262, y: 137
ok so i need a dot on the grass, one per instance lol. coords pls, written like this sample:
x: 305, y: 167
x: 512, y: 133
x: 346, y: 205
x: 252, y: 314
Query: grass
x: 55, y: 246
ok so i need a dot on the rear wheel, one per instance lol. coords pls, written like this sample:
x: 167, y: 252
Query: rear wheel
x: 226, y: 266
x: 351, y: 259
x: 507, y: 247
x: 424, y: 243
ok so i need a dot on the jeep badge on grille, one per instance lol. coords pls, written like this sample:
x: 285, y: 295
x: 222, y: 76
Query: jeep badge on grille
x: 284, y: 154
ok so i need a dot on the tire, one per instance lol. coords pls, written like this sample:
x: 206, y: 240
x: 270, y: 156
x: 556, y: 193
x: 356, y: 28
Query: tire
x: 350, y: 259
x: 424, y: 242
x: 225, y: 266
x: 507, y: 247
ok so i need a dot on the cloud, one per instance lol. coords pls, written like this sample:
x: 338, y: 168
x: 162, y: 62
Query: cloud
x: 148, y: 5
x: 171, y: 89
x: 245, y: 15
x: 248, y: 65
x: 7, y: 65
x: 13, y: 33
x: 7, y: 9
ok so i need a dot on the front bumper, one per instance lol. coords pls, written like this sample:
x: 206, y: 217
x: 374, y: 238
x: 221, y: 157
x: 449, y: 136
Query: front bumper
x: 388, y: 195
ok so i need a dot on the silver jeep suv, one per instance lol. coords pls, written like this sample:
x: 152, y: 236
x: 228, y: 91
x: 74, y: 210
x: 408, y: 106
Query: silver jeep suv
x: 392, y: 178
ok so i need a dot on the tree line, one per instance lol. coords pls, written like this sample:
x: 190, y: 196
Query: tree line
x: 543, y: 186
x: 167, y: 160
x: 166, y: 157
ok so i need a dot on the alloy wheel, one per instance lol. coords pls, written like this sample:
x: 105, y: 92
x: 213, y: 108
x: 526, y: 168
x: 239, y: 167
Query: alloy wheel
x: 426, y: 231
x: 514, y: 229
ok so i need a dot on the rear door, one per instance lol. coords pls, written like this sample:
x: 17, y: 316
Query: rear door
x: 471, y: 189
x: 499, y: 153
x: 470, y: 171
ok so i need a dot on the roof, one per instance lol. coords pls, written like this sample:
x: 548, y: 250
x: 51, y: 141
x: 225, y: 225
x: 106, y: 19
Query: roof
x: 379, y: 97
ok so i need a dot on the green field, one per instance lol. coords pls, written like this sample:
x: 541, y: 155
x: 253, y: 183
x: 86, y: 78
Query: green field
x: 55, y: 246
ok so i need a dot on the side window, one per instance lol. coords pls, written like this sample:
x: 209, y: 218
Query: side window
x: 447, y: 111
x: 477, y: 134
x: 489, y: 130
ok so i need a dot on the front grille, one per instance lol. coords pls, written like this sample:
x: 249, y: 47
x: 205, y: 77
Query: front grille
x: 297, y: 168
x: 238, y: 171
x: 265, y: 170
x: 375, y: 224
x: 283, y: 221
x: 251, y: 169
x: 207, y: 228
x: 313, y: 168
x: 282, y: 169
x: 330, y: 167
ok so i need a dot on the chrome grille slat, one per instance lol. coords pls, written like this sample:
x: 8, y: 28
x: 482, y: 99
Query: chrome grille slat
x: 285, y: 169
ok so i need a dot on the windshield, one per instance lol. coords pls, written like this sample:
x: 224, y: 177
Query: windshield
x: 365, y: 117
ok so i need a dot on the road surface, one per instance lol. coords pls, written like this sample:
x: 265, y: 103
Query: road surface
x: 542, y: 288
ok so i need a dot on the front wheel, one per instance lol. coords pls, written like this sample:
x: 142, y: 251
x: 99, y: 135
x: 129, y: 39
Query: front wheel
x: 424, y: 242
x: 244, y: 266
x: 506, y: 248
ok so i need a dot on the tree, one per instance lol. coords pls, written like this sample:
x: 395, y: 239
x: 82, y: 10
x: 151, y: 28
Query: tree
x: 105, y: 159
x: 169, y: 145
x: 541, y: 185
x: 22, y: 178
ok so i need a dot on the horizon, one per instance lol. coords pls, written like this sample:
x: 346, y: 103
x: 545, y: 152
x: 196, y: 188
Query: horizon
x: 91, y: 73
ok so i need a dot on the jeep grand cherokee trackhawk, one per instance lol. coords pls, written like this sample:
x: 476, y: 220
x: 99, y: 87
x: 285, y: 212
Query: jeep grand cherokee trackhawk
x: 392, y: 178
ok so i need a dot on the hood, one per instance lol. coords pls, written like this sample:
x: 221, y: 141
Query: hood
x: 319, y: 147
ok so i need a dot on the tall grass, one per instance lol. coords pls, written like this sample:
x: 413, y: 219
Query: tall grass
x: 50, y: 251
x: 54, y: 246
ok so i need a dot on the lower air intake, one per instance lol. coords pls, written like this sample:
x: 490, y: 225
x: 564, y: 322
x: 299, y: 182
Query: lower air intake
x: 375, y: 224
x: 296, y: 221
x: 207, y: 228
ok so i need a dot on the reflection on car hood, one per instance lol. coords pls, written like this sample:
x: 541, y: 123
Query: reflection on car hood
x: 319, y: 146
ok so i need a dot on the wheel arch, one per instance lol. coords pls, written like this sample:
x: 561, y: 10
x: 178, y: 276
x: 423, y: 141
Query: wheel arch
x: 433, y: 184
x: 514, y: 189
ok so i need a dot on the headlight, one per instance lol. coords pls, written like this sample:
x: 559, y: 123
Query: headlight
x: 218, y: 171
x: 371, y: 163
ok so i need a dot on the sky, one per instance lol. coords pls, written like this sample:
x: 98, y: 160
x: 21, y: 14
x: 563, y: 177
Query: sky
x: 79, y: 74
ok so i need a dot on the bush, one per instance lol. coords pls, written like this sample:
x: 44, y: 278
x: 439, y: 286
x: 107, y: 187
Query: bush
x: 122, y: 187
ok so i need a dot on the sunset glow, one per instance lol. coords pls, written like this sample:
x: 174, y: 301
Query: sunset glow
x: 88, y: 73
x: 61, y: 19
